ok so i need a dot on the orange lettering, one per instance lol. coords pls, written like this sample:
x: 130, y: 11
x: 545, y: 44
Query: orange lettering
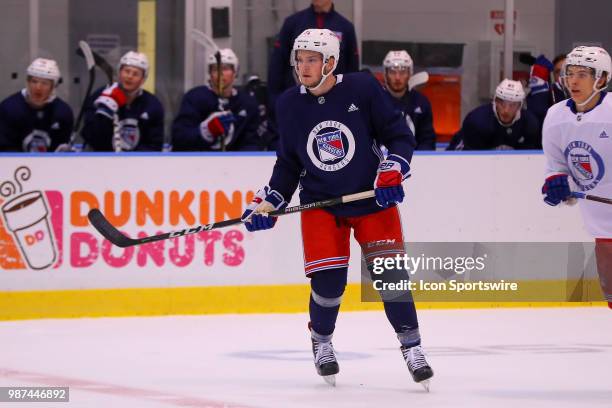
x: 154, y: 209
x: 249, y: 197
x: 223, y: 206
x: 204, y: 207
x: 118, y: 220
x: 77, y: 198
x: 179, y: 207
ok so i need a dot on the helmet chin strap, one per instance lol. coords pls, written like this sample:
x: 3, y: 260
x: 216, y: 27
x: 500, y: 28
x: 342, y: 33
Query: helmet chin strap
x: 323, y: 78
x: 596, y: 91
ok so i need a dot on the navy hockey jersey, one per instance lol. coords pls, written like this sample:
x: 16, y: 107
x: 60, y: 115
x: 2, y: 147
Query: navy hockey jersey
x: 280, y: 71
x: 140, y: 125
x: 26, y: 129
x: 538, y: 103
x: 199, y: 103
x: 418, y: 114
x: 482, y: 131
x: 329, y: 144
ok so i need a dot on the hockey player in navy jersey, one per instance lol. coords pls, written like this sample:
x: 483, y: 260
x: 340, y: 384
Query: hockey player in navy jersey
x: 320, y: 14
x: 35, y: 119
x: 501, y: 124
x: 330, y: 129
x: 576, y: 139
x: 212, y: 119
x: 542, y: 94
x: 124, y: 116
x: 414, y: 105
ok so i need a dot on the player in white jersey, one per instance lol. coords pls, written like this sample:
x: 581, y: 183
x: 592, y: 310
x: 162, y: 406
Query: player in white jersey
x: 577, y: 141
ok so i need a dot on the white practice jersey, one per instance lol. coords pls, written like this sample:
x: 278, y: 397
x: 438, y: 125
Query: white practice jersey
x: 580, y: 144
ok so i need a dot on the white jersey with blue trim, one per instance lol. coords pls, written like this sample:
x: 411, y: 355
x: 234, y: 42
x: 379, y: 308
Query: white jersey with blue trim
x: 580, y: 144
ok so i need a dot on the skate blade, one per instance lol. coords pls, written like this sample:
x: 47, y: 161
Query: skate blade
x: 330, y: 379
x: 425, y: 384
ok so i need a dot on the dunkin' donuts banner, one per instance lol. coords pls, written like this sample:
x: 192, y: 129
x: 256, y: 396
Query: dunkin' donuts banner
x: 46, y: 242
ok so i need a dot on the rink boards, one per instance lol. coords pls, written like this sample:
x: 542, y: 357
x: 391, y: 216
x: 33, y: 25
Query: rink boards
x: 54, y: 264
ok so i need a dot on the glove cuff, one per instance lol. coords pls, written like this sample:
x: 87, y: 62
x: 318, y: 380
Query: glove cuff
x: 106, y: 105
x: 403, y: 166
x: 554, y: 177
x: 274, y: 197
x: 205, y: 132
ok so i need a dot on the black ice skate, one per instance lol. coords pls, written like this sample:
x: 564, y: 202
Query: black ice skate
x: 417, y: 365
x: 325, y: 361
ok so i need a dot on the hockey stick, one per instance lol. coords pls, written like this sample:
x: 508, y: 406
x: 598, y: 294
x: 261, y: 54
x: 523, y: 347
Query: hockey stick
x: 576, y: 194
x: 99, y: 62
x: 93, y: 60
x: 85, y: 51
x: 108, y: 71
x: 418, y: 79
x: 108, y: 231
x: 220, y: 90
x: 208, y: 43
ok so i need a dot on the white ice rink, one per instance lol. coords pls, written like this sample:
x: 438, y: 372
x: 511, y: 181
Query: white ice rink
x: 482, y: 358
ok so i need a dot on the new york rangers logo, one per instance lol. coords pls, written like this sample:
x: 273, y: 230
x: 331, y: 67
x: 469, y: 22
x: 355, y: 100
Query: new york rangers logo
x: 582, y: 164
x: 585, y: 164
x: 331, y: 145
x: 130, y: 133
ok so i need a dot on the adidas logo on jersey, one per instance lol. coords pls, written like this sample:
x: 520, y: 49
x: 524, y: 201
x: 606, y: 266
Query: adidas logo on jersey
x: 603, y: 135
x: 353, y: 108
x: 418, y: 110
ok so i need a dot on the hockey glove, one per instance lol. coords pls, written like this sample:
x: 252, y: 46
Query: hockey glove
x: 556, y: 189
x: 540, y: 75
x: 110, y: 100
x: 388, y: 184
x: 256, y: 216
x: 542, y: 68
x: 217, y: 125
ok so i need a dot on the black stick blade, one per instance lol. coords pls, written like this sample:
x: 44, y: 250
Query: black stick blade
x: 100, y: 223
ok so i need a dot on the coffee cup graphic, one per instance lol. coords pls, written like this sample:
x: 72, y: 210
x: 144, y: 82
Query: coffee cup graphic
x: 26, y: 216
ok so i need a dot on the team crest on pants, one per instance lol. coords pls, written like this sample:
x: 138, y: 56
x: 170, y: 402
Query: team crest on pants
x: 331, y: 145
x: 585, y: 164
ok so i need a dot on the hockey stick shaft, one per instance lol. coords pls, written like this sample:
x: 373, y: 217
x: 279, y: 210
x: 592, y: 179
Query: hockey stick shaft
x: 590, y: 197
x: 418, y: 79
x: 219, y: 84
x: 91, y: 68
x: 93, y: 60
x: 108, y: 231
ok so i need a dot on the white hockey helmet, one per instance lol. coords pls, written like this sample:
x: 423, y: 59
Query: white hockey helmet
x: 44, y: 68
x: 323, y: 41
x: 509, y: 90
x: 398, y: 60
x: 135, y: 59
x: 227, y: 57
x: 592, y: 57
